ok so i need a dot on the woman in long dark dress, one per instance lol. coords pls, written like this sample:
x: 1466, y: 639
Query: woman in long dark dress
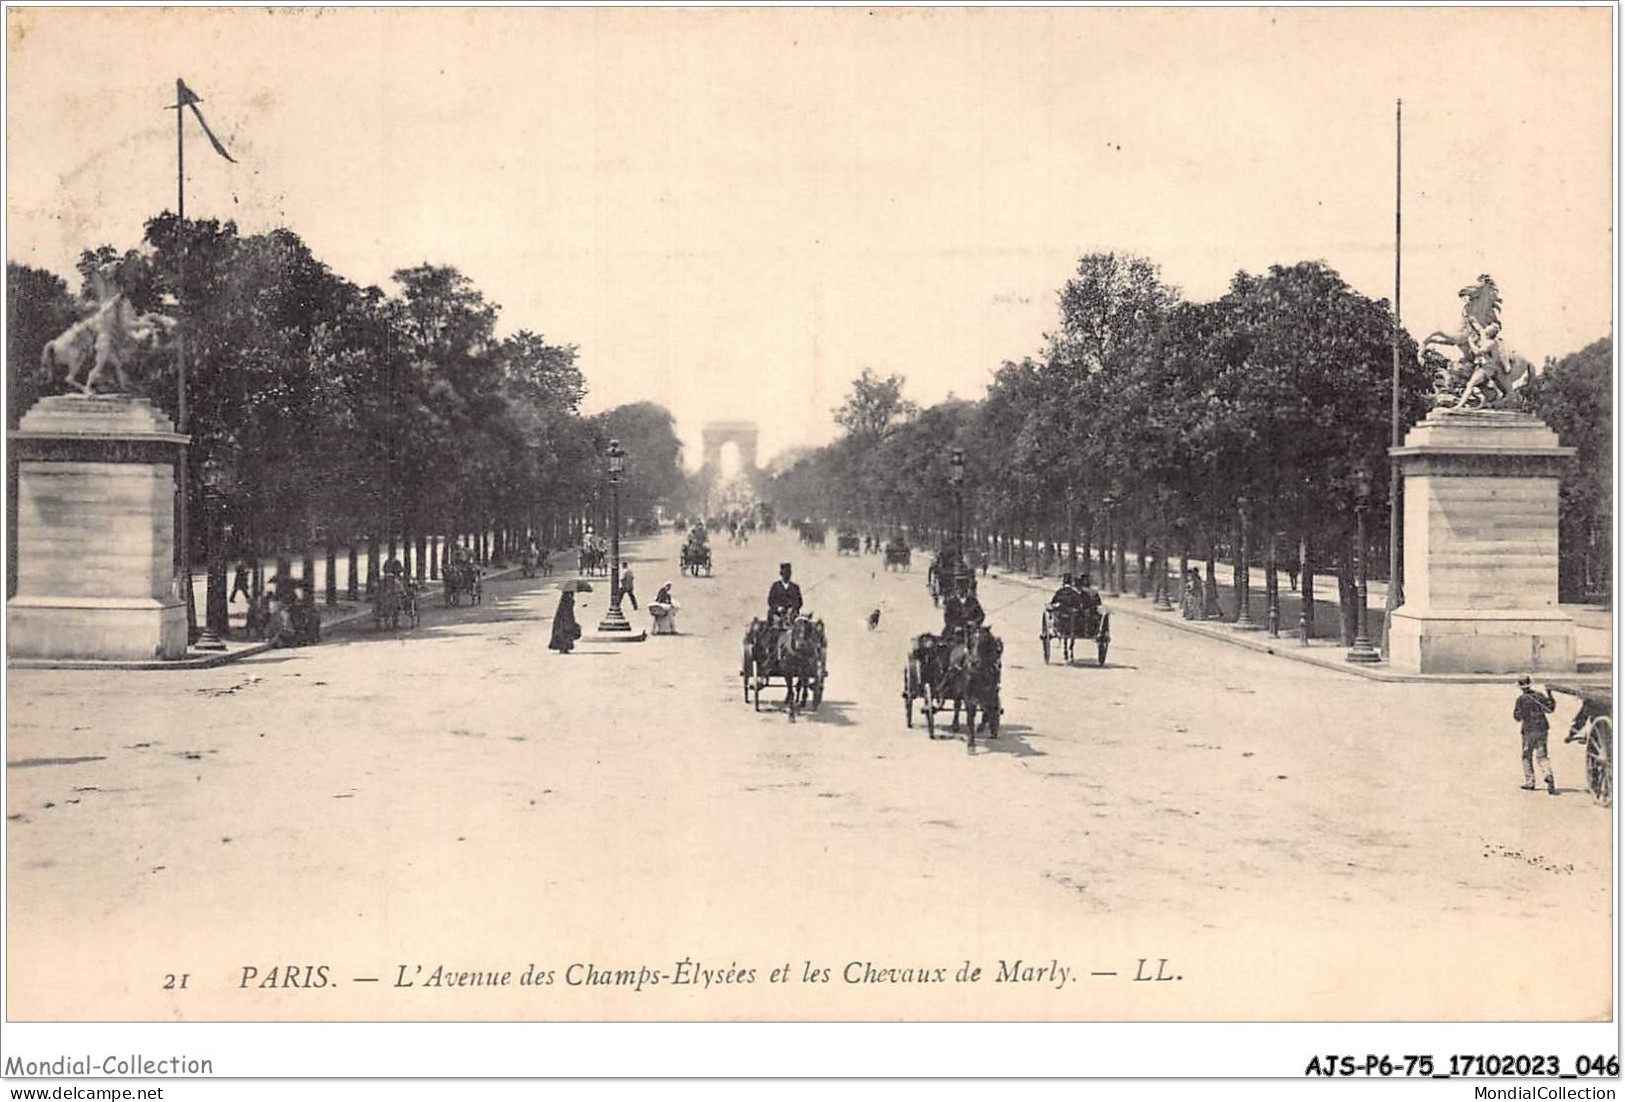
x: 565, y: 629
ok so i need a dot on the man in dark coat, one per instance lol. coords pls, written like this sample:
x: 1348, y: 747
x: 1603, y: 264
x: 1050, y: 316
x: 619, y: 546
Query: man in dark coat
x: 565, y: 629
x: 784, y: 598
x: 1530, y: 711
x: 961, y: 609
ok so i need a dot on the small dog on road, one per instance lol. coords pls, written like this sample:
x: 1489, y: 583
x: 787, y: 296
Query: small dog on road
x: 874, y: 619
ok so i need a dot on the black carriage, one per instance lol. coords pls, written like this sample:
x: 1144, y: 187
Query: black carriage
x: 1068, y: 625
x: 395, y: 600
x: 898, y: 555
x: 695, y: 558
x: 847, y: 543
x: 797, y: 653
x: 962, y: 672
x: 1594, y: 725
x: 460, y: 580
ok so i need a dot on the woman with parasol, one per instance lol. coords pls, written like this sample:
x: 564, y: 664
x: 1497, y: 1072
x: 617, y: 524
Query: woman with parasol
x: 565, y: 629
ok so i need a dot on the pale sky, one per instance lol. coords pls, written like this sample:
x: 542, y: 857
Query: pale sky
x: 733, y: 211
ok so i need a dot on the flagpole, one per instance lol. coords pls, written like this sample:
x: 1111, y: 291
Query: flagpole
x: 183, y: 533
x: 1396, y: 513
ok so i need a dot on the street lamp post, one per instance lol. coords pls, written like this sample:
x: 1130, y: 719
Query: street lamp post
x: 956, y: 475
x: 614, y: 620
x: 1109, y: 544
x: 215, y: 607
x: 1243, y: 576
x: 1362, y: 651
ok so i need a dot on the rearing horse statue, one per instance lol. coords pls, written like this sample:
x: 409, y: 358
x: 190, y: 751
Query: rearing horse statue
x: 111, y: 338
x: 1479, y: 343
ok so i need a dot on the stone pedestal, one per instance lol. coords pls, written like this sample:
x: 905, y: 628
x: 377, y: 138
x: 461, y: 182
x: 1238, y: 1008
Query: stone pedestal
x: 1481, y: 547
x: 96, y: 531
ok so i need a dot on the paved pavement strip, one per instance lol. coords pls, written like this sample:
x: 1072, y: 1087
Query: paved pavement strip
x: 1314, y: 656
x: 202, y: 659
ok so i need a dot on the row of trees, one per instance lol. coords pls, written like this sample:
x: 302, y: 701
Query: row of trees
x: 1253, y: 428
x: 326, y: 411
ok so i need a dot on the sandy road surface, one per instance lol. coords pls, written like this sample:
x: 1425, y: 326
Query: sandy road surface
x: 1296, y: 843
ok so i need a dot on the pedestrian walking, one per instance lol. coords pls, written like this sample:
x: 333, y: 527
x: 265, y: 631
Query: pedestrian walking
x: 565, y: 629
x: 626, y: 588
x: 1530, y: 711
x: 244, y: 582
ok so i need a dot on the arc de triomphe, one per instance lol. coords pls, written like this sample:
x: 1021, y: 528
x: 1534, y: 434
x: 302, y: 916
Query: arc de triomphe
x: 742, y: 434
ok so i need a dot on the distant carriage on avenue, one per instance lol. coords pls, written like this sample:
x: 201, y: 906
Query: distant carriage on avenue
x: 460, y: 580
x: 593, y: 557
x: 1068, y: 625
x: 395, y: 600
x: 847, y: 543
x: 695, y: 557
x: 898, y: 555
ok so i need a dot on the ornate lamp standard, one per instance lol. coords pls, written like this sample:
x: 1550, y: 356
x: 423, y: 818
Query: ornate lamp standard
x: 217, y: 480
x: 956, y: 475
x: 1243, y: 576
x: 1109, y: 544
x: 615, y: 620
x: 1362, y: 651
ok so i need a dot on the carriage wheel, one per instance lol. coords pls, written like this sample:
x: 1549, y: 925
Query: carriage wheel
x: 1600, y: 760
x: 756, y: 693
x: 818, y: 691
x: 930, y: 710
x: 1101, y: 645
x: 908, y: 704
x: 1043, y: 637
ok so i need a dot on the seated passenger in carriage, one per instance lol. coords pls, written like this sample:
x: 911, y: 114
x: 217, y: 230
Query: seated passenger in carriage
x: 1067, y: 604
x: 783, y: 599
x: 1090, y: 595
x: 1068, y: 597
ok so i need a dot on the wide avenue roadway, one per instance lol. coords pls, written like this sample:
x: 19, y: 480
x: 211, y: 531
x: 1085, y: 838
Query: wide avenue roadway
x: 1197, y: 831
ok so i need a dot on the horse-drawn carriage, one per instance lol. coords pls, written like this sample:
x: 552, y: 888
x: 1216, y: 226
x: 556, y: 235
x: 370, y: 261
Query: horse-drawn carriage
x: 696, y: 556
x: 395, y: 599
x: 1068, y: 625
x: 533, y: 560
x: 1594, y: 725
x: 846, y: 542
x: 593, y: 558
x: 962, y: 670
x: 812, y: 534
x: 460, y: 580
x: 898, y: 555
x: 797, y: 651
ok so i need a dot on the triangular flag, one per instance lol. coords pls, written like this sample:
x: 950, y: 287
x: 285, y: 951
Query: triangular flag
x: 185, y: 97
